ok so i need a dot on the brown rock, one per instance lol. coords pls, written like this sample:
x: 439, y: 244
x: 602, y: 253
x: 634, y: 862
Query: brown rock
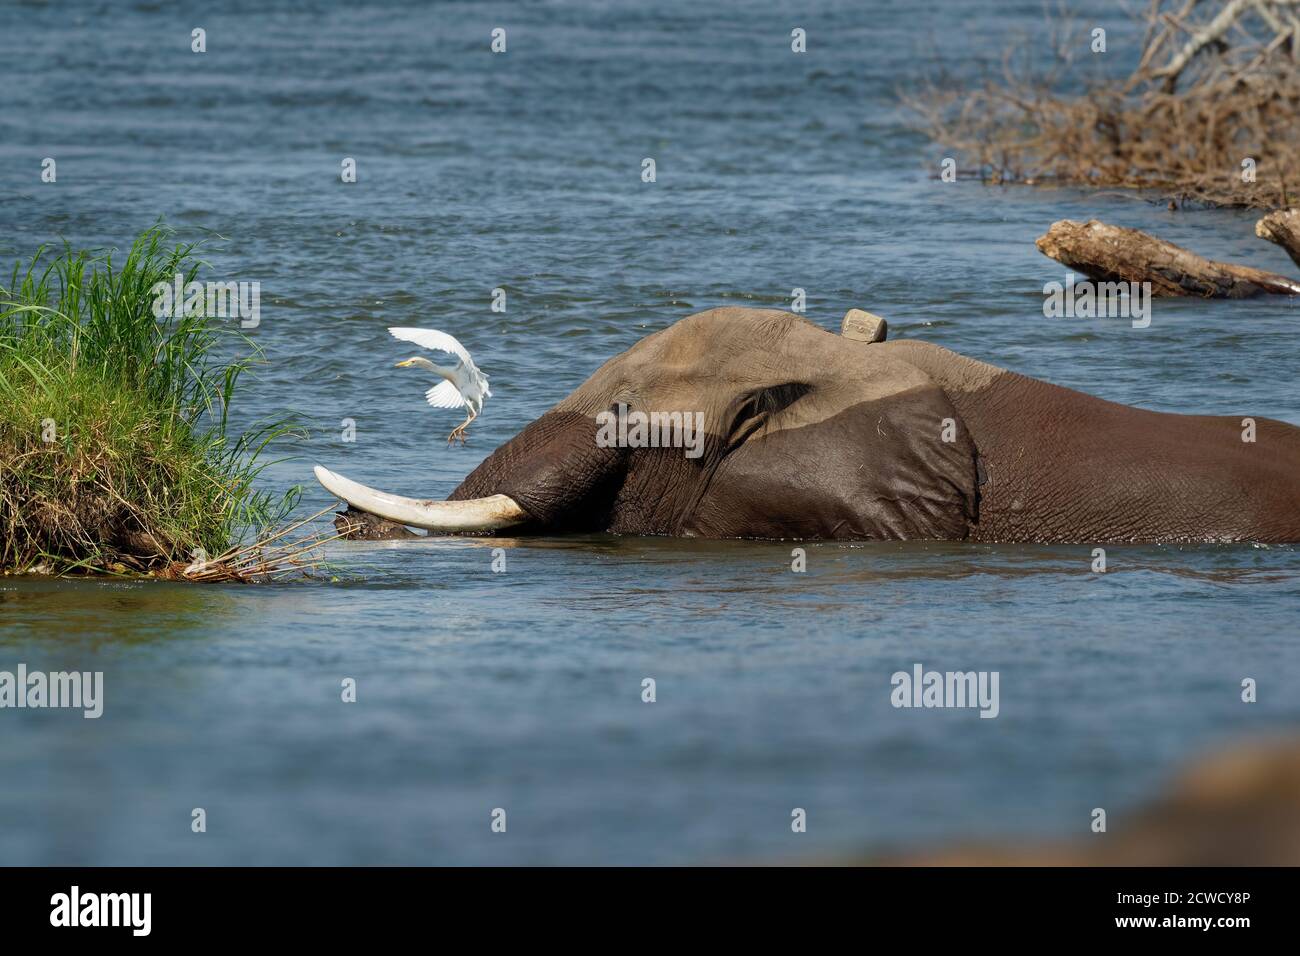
x: 863, y: 326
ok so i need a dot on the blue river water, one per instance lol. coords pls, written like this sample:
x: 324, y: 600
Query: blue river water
x: 522, y: 690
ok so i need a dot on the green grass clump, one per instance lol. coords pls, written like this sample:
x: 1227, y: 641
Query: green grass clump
x: 114, y: 450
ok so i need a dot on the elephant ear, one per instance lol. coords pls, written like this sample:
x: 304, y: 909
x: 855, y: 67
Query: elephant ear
x: 925, y: 470
x: 896, y: 464
x: 555, y: 470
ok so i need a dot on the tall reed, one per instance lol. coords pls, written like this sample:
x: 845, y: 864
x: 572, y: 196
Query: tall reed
x: 115, y: 447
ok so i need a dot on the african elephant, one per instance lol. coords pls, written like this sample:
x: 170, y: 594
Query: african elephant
x: 811, y: 435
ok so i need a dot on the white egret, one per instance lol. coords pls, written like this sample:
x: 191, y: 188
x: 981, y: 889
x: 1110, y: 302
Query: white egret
x: 464, y: 384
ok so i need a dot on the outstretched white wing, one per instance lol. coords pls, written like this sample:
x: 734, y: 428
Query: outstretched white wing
x: 433, y: 339
x: 445, y: 395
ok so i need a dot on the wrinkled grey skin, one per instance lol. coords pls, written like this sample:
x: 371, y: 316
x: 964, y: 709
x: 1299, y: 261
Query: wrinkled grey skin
x: 810, y: 435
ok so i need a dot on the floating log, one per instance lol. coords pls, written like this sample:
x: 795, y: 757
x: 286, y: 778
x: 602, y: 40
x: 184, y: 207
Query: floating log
x: 1282, y: 227
x: 1115, y: 254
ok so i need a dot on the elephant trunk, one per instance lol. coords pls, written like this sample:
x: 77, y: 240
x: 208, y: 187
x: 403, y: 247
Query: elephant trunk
x: 553, y: 475
x: 556, y: 471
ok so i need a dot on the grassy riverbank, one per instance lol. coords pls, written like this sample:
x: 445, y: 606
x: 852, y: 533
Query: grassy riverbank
x: 115, y: 451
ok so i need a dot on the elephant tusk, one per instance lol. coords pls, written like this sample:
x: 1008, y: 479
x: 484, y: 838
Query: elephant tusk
x: 473, y: 514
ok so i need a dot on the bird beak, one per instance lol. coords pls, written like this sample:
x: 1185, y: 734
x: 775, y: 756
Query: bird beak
x: 403, y: 364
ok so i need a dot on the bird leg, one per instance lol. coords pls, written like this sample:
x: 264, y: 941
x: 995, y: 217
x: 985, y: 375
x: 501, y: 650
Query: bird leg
x: 459, y: 430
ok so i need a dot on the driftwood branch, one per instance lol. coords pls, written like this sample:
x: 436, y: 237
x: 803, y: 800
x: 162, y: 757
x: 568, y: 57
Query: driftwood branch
x: 1214, y: 31
x: 1217, y: 84
x: 1114, y: 254
x: 1282, y: 227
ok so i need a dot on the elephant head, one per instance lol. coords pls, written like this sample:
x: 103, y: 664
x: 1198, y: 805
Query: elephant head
x: 730, y: 423
x: 771, y: 427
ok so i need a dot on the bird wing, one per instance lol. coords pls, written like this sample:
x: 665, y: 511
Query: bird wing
x: 433, y: 339
x: 445, y: 395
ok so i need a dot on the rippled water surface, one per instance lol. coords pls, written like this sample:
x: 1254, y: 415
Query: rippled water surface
x: 522, y: 690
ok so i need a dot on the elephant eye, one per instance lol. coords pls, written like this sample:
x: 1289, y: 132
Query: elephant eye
x: 627, y: 398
